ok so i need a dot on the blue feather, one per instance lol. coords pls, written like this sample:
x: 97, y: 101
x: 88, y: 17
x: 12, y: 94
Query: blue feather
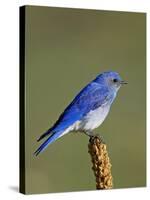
x: 55, y: 132
x: 62, y: 123
x: 51, y: 139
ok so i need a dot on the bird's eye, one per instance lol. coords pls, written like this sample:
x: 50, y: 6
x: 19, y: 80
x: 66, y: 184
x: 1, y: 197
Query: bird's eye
x: 115, y: 80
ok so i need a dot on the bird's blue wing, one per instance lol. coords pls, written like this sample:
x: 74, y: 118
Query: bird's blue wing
x: 90, y: 98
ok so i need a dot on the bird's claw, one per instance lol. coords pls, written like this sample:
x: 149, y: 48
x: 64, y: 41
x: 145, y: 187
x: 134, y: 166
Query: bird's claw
x: 92, y: 139
x: 100, y: 137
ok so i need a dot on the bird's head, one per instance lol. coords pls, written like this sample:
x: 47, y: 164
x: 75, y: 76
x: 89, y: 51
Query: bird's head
x: 111, y: 79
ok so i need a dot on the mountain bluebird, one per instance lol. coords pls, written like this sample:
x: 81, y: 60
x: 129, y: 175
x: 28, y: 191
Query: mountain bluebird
x: 88, y: 109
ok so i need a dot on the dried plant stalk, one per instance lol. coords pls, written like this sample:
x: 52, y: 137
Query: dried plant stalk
x: 101, y: 163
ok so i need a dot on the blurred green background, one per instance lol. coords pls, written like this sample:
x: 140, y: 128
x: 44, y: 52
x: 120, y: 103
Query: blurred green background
x: 66, y: 49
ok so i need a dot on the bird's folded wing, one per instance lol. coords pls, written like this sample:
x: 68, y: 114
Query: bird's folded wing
x: 90, y: 98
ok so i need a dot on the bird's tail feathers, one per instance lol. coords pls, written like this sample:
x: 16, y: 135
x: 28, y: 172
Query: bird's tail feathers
x: 53, y: 129
x: 54, y: 133
x: 45, y: 134
x: 50, y: 139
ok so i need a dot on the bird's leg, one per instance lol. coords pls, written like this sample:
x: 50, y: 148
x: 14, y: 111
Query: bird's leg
x: 89, y: 133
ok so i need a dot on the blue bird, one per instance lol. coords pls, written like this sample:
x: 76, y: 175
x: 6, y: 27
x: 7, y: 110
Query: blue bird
x: 88, y: 109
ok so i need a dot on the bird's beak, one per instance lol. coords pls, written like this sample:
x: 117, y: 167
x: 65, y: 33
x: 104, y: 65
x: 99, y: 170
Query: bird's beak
x: 123, y: 82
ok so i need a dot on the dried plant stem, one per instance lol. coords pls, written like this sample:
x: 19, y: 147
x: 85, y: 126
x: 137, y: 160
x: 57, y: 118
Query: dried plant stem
x: 101, y: 163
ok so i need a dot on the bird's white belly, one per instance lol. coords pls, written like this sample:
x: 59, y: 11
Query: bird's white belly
x: 94, y: 118
x: 91, y: 121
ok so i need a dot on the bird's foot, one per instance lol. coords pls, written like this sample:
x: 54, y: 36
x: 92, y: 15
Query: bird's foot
x: 92, y: 138
x: 100, y: 137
